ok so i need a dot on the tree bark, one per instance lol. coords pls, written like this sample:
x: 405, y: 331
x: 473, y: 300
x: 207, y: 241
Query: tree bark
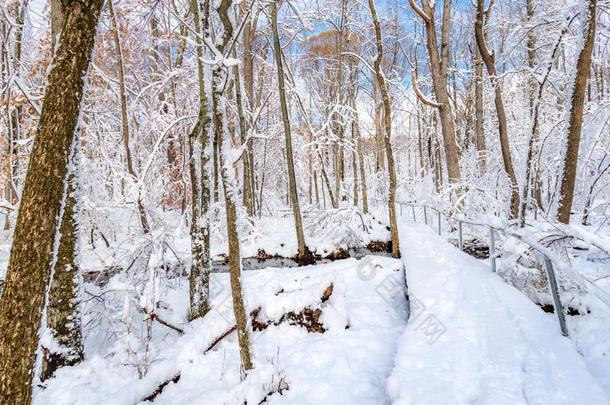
x: 63, y: 315
x: 358, y: 159
x: 248, y: 75
x: 32, y: 251
x: 479, y: 125
x: 355, y: 138
x: 383, y: 87
x: 583, y: 66
x: 379, y: 148
x: 219, y: 79
x: 199, y: 138
x: 124, y: 119
x: 303, y: 252
x: 338, y: 125
x: 530, y: 167
x: 489, y: 60
x: 243, y: 129
x: 438, y: 64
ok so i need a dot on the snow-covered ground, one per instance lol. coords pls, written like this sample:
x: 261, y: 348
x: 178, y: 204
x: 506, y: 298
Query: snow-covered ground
x: 347, y: 364
x: 472, y: 338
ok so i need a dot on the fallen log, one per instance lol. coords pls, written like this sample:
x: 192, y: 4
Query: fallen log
x: 161, y: 387
x: 220, y: 338
x: 308, y: 318
x: 156, y: 317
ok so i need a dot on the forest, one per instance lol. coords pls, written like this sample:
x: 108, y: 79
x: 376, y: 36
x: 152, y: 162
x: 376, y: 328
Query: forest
x: 304, y: 202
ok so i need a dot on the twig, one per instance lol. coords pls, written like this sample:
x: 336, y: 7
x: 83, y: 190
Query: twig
x: 163, y: 322
x: 220, y: 338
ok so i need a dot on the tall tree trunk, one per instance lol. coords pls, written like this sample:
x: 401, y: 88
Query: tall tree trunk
x: 124, y: 120
x: 438, y: 64
x: 63, y: 318
x: 358, y: 158
x: 337, y: 119
x: 489, y: 60
x: 248, y: 59
x: 438, y: 167
x: 32, y: 252
x: 262, y: 185
x: 337, y: 147
x: 583, y: 66
x: 219, y: 80
x: 199, y: 138
x: 383, y: 87
x: 531, y: 64
x: 355, y: 137
x: 379, y: 147
x: 303, y: 252
x: 530, y: 167
x: 243, y: 129
x: 175, y: 145
x: 22, y: 6
x: 215, y: 165
x: 421, y: 139
x: 365, y: 201
x: 63, y: 315
x: 479, y: 127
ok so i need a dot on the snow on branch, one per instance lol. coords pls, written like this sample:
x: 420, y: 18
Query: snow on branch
x: 420, y: 95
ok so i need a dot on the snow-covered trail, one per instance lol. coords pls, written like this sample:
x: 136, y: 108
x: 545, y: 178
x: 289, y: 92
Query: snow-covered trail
x: 472, y: 339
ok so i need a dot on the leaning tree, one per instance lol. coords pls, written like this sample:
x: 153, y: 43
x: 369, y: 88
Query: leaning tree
x: 34, y: 249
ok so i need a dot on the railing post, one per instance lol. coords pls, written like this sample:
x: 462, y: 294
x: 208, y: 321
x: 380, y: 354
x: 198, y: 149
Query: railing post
x: 492, y: 248
x: 461, y: 235
x: 413, y: 212
x: 550, y: 274
x: 425, y: 215
x: 440, y: 231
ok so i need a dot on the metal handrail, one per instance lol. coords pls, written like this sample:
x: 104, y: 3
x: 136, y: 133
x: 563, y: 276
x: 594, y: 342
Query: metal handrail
x: 548, y: 261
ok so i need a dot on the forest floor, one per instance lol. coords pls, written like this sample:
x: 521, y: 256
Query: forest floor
x: 341, y: 332
x: 344, y: 359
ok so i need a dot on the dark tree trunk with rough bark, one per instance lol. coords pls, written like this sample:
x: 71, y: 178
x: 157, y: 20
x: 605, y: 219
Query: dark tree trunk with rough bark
x: 63, y: 312
x: 583, y: 67
x: 63, y: 315
x: 29, y: 267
